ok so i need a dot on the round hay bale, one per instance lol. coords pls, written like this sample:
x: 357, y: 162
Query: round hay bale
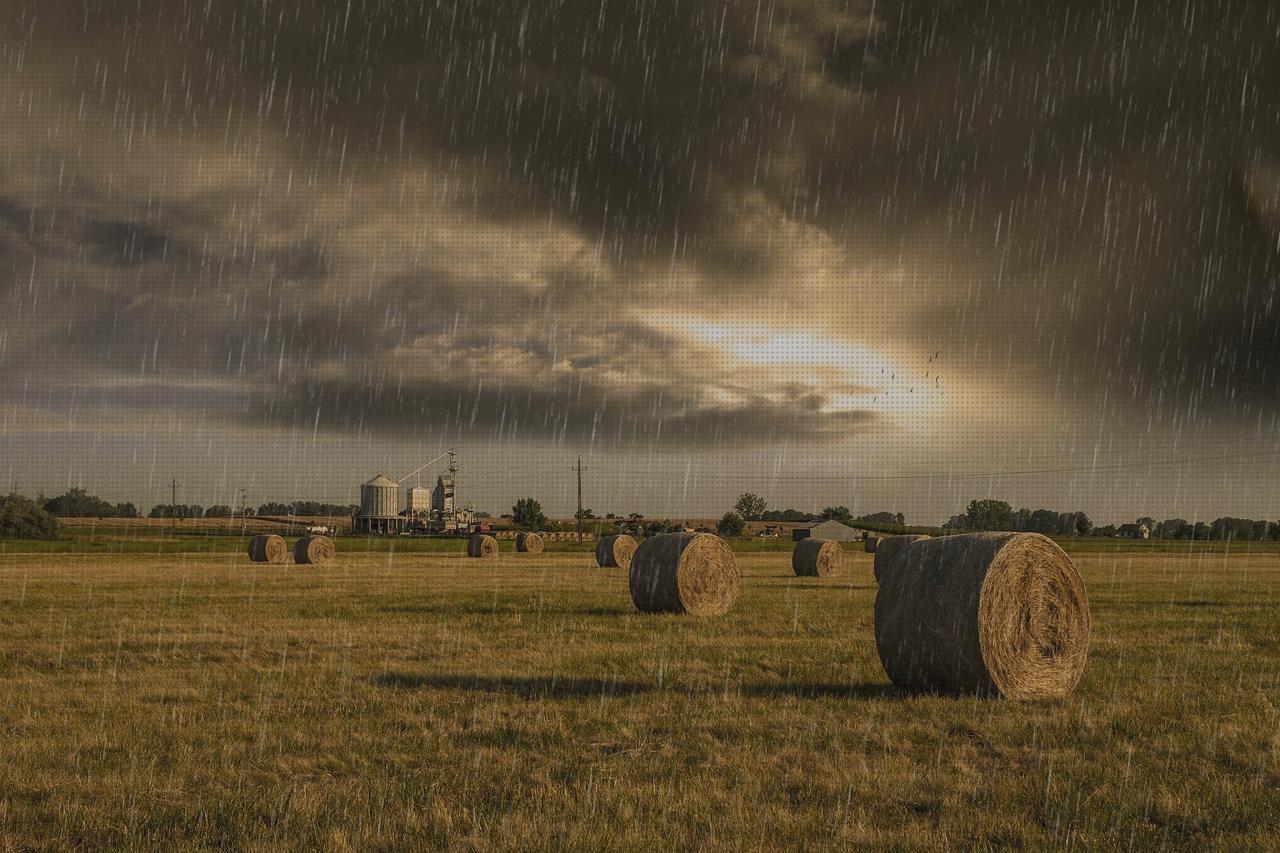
x: 482, y: 545
x: 817, y: 558
x: 693, y: 573
x: 528, y: 543
x: 888, y: 549
x: 268, y: 548
x: 314, y: 550
x: 1002, y: 614
x: 869, y: 544
x: 615, y: 552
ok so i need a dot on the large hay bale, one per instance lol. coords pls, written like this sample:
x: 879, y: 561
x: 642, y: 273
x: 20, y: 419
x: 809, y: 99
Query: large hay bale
x: 482, y: 545
x: 817, y: 558
x: 268, y: 548
x: 528, y: 543
x: 988, y: 613
x: 314, y: 550
x: 615, y: 551
x: 869, y: 543
x: 888, y: 548
x: 693, y: 573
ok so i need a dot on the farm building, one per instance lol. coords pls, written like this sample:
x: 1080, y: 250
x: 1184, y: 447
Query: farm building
x: 828, y: 529
x: 379, y: 507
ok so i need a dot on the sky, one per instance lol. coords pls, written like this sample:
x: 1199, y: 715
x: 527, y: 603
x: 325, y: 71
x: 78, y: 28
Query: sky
x: 889, y: 255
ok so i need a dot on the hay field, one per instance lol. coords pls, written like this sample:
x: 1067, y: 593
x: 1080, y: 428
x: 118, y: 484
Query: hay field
x: 426, y: 700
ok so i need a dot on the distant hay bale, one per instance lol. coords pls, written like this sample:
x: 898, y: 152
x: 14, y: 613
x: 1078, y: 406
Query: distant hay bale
x: 268, y: 548
x: 817, y: 558
x: 888, y: 549
x: 528, y: 543
x: 693, y: 573
x: 1000, y: 614
x: 870, y: 543
x: 481, y: 545
x: 615, y: 551
x: 314, y: 550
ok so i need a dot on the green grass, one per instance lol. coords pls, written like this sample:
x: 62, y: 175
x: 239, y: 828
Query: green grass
x: 424, y: 700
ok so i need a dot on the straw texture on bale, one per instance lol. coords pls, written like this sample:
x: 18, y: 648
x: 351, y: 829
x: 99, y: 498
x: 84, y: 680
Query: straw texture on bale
x: 1001, y: 614
x: 817, y: 558
x: 888, y: 549
x: 481, y: 545
x: 615, y: 551
x: 528, y: 543
x: 268, y: 548
x: 314, y: 550
x: 693, y: 573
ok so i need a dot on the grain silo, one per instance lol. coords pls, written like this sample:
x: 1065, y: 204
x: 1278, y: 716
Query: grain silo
x: 419, y: 502
x: 379, y: 506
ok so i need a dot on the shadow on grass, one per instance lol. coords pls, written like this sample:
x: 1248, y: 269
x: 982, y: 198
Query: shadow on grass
x: 836, y: 585
x: 503, y: 608
x: 531, y: 688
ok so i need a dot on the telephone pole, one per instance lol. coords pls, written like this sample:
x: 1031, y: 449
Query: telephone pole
x: 577, y: 519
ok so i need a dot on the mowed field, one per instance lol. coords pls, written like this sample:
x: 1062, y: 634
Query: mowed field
x: 401, y: 699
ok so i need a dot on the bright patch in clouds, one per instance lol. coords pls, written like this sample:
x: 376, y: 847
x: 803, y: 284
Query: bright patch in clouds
x: 845, y: 375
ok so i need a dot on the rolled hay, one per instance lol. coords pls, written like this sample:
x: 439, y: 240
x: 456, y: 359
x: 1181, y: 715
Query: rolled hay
x: 482, y: 545
x: 817, y: 558
x: 268, y: 548
x: 615, y: 551
x: 888, y: 549
x: 870, y: 543
x: 693, y: 573
x: 314, y: 550
x: 1001, y: 614
x: 528, y: 543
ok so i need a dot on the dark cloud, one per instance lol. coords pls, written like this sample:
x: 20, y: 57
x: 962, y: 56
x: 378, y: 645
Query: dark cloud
x: 460, y: 214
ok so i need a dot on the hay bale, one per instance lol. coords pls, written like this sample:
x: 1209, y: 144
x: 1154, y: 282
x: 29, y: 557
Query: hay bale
x: 693, y: 573
x: 888, y: 549
x: 268, y: 548
x: 615, y: 552
x: 482, y: 545
x: 528, y: 543
x: 817, y: 558
x: 314, y: 550
x: 869, y: 544
x: 989, y: 613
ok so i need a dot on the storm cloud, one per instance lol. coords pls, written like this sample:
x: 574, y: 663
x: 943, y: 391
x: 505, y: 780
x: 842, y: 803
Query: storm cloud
x: 703, y: 222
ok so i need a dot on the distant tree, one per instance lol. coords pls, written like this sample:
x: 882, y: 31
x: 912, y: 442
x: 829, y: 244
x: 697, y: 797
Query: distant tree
x: 750, y: 506
x: 881, y: 517
x: 1084, y: 524
x: 838, y: 513
x: 1275, y: 530
x: 77, y: 503
x: 586, y: 514
x: 731, y: 524
x: 527, y: 513
x: 956, y: 522
x: 989, y: 514
x: 1110, y: 531
x: 23, y: 518
x: 126, y: 510
x: 785, y: 515
x: 273, y: 509
x: 655, y: 528
x: 178, y: 511
x: 218, y: 511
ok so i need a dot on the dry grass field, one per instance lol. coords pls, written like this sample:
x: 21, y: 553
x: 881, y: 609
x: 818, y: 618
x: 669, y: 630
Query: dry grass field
x: 424, y: 700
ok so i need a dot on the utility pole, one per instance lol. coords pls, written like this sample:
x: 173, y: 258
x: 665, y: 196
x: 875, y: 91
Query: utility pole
x: 173, y: 507
x: 577, y: 519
